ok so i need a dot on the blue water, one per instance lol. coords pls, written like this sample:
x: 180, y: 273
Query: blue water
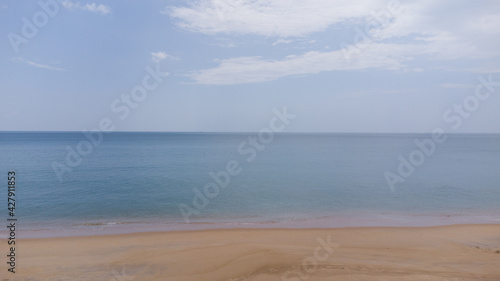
x: 331, y: 179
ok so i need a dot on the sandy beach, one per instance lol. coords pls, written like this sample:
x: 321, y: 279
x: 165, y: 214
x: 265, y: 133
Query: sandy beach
x: 460, y: 252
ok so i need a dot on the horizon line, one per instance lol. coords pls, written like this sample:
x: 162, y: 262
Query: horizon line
x: 250, y: 132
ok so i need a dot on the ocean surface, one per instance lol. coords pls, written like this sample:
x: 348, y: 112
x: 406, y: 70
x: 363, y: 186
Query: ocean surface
x: 71, y: 184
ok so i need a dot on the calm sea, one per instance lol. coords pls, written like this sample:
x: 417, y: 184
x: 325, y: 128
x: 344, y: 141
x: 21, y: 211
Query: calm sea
x: 67, y: 185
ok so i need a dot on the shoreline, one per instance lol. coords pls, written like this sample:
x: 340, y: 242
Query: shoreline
x: 122, y: 226
x: 465, y: 252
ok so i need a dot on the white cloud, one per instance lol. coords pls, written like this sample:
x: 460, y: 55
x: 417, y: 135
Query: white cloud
x: 93, y: 7
x: 35, y: 64
x: 159, y: 56
x: 256, y: 69
x: 426, y: 30
x: 282, y: 18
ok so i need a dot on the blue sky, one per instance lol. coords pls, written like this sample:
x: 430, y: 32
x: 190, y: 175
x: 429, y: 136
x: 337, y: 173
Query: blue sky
x: 339, y: 66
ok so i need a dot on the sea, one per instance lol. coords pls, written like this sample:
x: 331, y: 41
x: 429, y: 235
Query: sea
x: 74, y: 183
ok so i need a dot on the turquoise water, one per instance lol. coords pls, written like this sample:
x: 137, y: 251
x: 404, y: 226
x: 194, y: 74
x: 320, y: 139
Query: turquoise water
x: 138, y: 181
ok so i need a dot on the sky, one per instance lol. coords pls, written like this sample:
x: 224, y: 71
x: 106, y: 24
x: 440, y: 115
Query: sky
x: 365, y: 66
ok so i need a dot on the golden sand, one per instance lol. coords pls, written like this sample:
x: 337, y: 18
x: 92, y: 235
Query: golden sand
x: 446, y: 253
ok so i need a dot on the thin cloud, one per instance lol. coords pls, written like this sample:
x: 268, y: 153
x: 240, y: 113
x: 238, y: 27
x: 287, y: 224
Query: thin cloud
x: 35, y: 64
x: 159, y: 56
x: 257, y: 69
x: 92, y: 7
x: 282, y: 18
x: 393, y: 36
